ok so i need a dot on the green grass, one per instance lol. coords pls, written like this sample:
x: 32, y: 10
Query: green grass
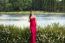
x: 34, y: 12
x: 54, y: 33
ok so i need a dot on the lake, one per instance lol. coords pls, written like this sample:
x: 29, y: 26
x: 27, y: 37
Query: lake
x: 23, y: 20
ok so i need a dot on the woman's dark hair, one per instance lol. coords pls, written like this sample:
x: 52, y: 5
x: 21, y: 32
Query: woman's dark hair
x: 30, y: 14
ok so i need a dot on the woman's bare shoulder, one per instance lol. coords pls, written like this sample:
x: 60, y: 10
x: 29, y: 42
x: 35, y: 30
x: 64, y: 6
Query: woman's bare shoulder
x: 33, y: 16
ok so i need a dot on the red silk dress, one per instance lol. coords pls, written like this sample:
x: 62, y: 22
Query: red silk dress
x: 33, y: 29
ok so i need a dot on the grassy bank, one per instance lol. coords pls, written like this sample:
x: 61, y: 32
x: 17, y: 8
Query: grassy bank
x: 48, y: 34
x: 34, y: 12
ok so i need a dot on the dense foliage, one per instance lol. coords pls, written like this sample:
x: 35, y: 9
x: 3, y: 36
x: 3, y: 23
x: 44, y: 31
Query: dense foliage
x: 20, y: 5
x: 48, y: 34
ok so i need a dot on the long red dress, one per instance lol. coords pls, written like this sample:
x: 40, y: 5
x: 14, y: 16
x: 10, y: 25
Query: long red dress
x: 33, y: 29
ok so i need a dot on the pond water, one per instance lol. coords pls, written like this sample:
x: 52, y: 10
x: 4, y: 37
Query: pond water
x: 23, y: 21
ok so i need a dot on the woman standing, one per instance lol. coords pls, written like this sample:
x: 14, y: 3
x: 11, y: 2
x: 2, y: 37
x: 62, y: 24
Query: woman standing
x: 32, y: 28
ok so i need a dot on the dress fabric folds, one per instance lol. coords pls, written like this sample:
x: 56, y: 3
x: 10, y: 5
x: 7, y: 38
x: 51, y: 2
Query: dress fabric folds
x: 33, y: 29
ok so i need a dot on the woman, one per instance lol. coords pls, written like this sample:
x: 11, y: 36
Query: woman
x: 32, y: 28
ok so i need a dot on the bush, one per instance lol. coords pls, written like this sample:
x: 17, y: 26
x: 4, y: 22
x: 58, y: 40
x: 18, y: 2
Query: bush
x: 50, y: 34
x: 13, y: 34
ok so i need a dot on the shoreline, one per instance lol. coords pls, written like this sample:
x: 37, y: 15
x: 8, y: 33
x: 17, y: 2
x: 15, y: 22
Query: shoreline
x: 34, y: 12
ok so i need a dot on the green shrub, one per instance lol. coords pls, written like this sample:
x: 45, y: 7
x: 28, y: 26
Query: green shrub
x: 51, y: 34
x: 54, y: 33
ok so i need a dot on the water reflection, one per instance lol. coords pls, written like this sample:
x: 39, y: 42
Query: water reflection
x: 22, y: 20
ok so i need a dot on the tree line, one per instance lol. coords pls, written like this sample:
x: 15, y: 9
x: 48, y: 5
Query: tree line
x: 26, y: 5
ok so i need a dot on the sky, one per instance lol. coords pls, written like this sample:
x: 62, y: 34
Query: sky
x: 59, y: 0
